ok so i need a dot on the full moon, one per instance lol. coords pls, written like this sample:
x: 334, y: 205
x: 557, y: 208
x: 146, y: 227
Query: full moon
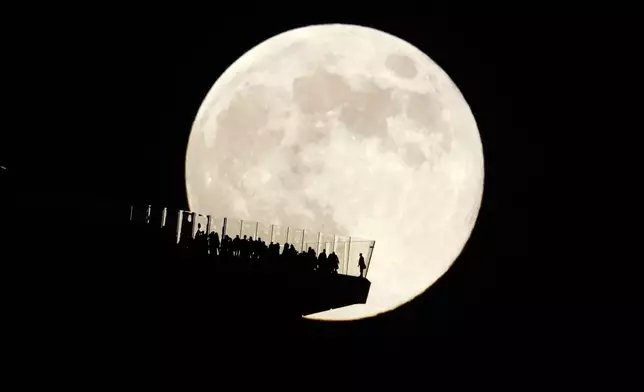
x: 348, y: 130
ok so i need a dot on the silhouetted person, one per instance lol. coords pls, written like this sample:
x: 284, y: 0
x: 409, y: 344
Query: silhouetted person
x: 257, y: 248
x: 247, y: 251
x: 243, y: 247
x: 311, y: 259
x: 322, y: 262
x: 227, y: 245
x: 236, y: 245
x: 276, y: 250
x: 263, y: 250
x: 185, y: 238
x: 362, y: 265
x: 214, y: 243
x: 334, y: 262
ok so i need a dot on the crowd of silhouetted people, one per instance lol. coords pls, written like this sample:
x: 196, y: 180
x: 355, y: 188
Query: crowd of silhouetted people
x: 245, y: 251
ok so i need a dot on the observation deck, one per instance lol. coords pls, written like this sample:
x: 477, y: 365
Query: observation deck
x: 265, y: 275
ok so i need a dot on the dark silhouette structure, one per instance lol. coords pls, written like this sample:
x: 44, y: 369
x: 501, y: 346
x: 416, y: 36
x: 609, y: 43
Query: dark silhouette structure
x: 246, y: 270
x: 133, y: 281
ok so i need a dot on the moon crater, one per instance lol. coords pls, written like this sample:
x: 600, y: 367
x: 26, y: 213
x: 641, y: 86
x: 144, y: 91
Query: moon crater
x: 401, y: 65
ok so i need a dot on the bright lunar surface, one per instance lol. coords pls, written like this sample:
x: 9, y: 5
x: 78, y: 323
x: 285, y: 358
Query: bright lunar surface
x: 347, y: 130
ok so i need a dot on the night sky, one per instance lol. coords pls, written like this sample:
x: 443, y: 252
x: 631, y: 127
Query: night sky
x: 113, y: 107
x: 106, y: 113
x: 104, y: 110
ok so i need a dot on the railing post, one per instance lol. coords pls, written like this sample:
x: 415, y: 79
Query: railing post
x: 333, y: 244
x: 179, y: 224
x: 319, y: 241
x: 288, y: 231
x: 370, y: 256
x: 164, y: 215
x: 241, y: 227
x: 272, y: 229
x: 193, y: 216
x: 256, y: 229
x: 302, y: 247
x: 346, y: 272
